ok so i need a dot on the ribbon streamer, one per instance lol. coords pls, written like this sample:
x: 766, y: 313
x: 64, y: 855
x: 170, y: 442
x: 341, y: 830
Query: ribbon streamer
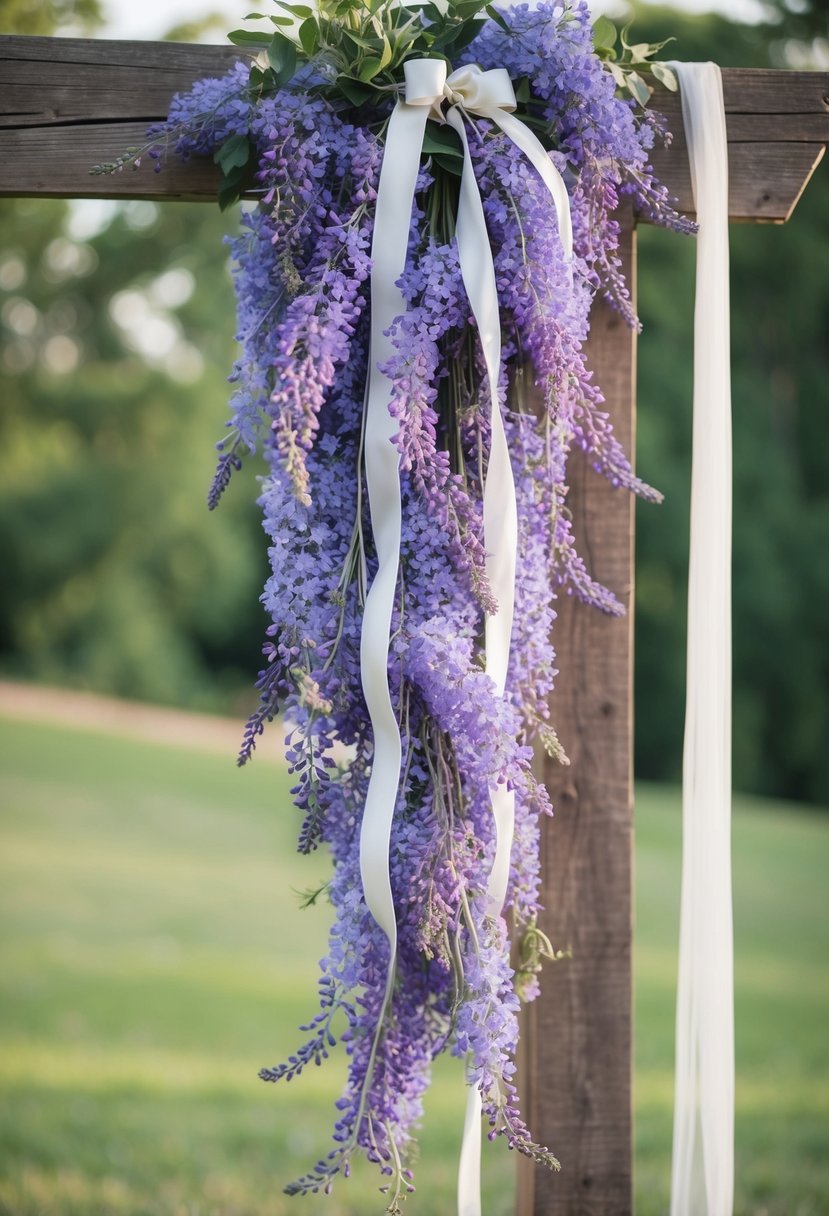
x: 703, y: 1155
x: 395, y: 199
x: 489, y: 95
x: 501, y: 543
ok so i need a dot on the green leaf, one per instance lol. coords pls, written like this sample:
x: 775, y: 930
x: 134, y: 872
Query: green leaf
x: 231, y: 187
x: 386, y: 54
x: 234, y: 153
x: 282, y: 58
x: 368, y: 69
x: 522, y: 90
x: 309, y: 36
x: 406, y: 34
x: 665, y: 76
x: 353, y: 90
x: 228, y: 194
x: 637, y: 88
x: 248, y: 38
x: 604, y: 33
x: 262, y: 79
x: 464, y: 9
x: 277, y: 20
x: 431, y: 13
x: 296, y: 10
x: 449, y: 164
x: 618, y: 74
x: 498, y: 18
x: 357, y: 40
x: 457, y: 39
x: 262, y: 76
x: 254, y: 17
x: 441, y: 141
x: 656, y: 47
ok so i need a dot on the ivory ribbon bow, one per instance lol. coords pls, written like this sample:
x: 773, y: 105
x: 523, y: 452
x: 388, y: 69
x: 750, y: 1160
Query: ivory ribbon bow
x: 469, y: 90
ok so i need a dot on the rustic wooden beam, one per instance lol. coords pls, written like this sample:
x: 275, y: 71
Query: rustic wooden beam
x: 48, y: 82
x: 778, y: 127
x: 69, y: 103
x: 576, y: 1040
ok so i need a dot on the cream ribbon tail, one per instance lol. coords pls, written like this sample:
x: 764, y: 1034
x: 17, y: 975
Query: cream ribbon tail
x: 703, y: 1157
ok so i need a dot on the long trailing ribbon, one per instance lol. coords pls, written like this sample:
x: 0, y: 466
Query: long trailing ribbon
x: 395, y: 198
x: 703, y: 1155
x: 489, y: 95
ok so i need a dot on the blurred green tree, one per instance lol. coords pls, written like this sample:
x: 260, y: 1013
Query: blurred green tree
x: 48, y: 16
x: 780, y: 367
x: 115, y: 345
x: 115, y: 338
x: 798, y: 20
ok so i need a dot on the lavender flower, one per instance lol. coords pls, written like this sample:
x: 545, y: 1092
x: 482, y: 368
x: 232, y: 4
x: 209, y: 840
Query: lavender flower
x: 301, y: 270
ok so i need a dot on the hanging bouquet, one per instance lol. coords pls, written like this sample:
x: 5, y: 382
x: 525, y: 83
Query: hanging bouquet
x: 435, y: 189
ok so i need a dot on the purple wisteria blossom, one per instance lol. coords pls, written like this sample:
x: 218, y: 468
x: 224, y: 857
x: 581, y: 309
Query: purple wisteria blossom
x: 302, y: 273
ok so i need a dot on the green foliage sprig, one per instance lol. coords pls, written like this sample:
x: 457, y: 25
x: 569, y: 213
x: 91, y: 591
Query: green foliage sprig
x: 353, y: 54
x: 532, y: 946
x: 630, y: 60
x: 358, y: 50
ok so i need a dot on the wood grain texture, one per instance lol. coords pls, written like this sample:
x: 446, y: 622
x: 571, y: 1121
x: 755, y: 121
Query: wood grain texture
x: 778, y: 125
x: 67, y: 104
x: 765, y: 180
x: 58, y: 81
x: 56, y: 162
x: 576, y: 1055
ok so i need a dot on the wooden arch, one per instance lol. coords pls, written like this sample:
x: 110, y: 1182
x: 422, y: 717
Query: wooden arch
x: 66, y: 104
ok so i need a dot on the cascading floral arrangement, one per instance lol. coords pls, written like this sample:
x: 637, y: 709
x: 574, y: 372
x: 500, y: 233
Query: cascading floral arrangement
x: 303, y: 131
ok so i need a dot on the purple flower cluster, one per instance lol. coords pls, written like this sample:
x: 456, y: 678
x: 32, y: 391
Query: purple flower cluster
x: 302, y: 265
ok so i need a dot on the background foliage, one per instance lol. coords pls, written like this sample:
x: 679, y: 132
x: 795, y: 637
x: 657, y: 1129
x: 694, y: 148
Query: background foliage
x: 116, y: 579
x: 116, y: 335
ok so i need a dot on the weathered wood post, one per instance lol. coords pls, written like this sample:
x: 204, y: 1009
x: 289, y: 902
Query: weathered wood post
x: 66, y: 104
x: 577, y: 1041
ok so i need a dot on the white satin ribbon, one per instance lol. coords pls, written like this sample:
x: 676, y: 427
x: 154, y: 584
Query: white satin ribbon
x: 489, y: 95
x: 703, y: 1155
x: 395, y: 198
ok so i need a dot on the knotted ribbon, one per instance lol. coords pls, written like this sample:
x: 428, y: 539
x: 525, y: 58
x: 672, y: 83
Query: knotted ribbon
x: 431, y: 94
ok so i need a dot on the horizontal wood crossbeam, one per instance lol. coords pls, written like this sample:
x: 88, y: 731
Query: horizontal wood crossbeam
x: 778, y: 127
x: 69, y: 103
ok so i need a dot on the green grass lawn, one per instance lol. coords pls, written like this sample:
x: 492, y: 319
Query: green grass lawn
x: 154, y: 955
